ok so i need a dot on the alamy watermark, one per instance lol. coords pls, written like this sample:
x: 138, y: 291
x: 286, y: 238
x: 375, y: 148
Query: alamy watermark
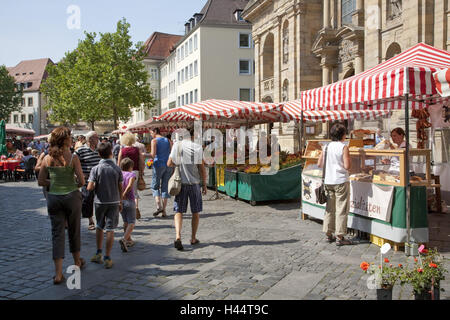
x: 74, y: 19
x: 74, y: 281
x: 239, y: 146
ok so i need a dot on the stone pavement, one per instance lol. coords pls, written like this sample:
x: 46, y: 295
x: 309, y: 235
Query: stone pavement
x: 260, y: 252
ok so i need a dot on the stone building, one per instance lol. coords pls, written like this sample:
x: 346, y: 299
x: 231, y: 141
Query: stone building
x: 284, y: 32
x: 306, y: 44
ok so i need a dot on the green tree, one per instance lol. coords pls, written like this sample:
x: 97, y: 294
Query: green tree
x: 99, y: 80
x: 10, y: 95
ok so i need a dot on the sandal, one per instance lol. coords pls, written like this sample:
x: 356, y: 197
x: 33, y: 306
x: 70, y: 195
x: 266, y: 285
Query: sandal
x: 196, y: 241
x: 158, y: 211
x: 91, y: 226
x: 178, y: 244
x: 56, y: 282
x: 343, y: 242
x: 82, y: 264
x: 138, y: 214
x: 329, y: 239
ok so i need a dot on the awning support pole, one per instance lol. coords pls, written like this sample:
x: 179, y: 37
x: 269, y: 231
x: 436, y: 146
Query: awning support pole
x: 408, y: 245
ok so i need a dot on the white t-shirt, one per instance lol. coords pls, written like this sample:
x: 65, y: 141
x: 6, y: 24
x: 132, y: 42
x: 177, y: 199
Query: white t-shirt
x: 191, y: 156
x: 335, y: 171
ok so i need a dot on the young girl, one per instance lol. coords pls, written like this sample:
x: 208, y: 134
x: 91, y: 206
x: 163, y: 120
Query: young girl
x: 129, y: 206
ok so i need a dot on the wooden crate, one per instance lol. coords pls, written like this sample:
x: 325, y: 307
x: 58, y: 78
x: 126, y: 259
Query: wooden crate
x: 381, y: 241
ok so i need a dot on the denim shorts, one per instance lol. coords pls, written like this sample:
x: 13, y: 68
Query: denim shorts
x: 107, y: 216
x: 128, y: 211
x: 194, y: 194
x: 160, y: 181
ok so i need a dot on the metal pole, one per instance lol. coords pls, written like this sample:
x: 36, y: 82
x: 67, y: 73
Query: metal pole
x: 301, y: 131
x: 408, y: 187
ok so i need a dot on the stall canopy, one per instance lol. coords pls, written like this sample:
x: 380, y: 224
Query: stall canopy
x: 44, y: 136
x: 19, y: 131
x: 442, y: 81
x: 409, y: 73
x: 225, y: 111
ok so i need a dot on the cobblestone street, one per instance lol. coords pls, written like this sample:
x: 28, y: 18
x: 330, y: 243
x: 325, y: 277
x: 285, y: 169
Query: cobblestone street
x: 259, y: 252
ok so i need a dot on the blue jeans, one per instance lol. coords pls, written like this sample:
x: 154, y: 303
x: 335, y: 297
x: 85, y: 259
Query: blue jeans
x: 160, y: 181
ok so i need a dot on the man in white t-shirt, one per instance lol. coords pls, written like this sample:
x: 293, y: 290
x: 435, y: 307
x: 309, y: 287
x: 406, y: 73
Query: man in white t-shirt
x: 189, y: 156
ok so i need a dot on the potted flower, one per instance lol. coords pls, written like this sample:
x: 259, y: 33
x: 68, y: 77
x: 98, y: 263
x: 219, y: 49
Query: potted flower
x: 426, y: 275
x: 383, y: 277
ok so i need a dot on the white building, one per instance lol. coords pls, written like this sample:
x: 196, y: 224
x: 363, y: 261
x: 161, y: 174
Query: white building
x: 214, y: 59
x: 29, y: 74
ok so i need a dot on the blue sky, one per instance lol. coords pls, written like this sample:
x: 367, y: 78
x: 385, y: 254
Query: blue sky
x: 33, y: 29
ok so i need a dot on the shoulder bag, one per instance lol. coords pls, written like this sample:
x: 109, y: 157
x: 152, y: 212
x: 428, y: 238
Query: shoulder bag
x: 175, y: 179
x: 321, y: 196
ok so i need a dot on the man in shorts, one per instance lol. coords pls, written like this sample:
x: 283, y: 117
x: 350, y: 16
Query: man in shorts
x: 106, y: 182
x: 189, y: 156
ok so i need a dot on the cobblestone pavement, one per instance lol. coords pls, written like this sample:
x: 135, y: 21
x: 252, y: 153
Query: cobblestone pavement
x: 260, y: 252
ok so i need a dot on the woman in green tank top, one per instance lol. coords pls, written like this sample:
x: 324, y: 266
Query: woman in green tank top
x: 64, y: 197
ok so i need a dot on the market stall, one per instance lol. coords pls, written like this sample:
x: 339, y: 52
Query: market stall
x: 390, y: 206
x: 12, y: 131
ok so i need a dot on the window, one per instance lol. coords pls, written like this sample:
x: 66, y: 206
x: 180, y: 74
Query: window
x: 245, y: 95
x: 153, y: 74
x: 16, y: 118
x: 178, y: 54
x: 244, y: 40
x: 182, y: 100
x: 347, y: 9
x: 23, y: 102
x: 182, y: 76
x: 196, y: 95
x: 187, y: 98
x: 30, y: 101
x: 238, y: 15
x: 244, y: 67
x: 195, y: 68
x: 191, y: 97
x: 23, y: 118
x: 30, y: 118
x: 191, y: 74
x: 179, y: 102
x: 190, y: 45
x: 195, y: 42
x: 179, y: 77
x: 182, y: 52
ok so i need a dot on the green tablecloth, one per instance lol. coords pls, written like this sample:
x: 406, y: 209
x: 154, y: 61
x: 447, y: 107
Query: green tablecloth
x: 284, y: 185
x: 211, y: 177
x: 231, y: 183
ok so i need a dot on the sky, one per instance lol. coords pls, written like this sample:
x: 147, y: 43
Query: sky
x: 34, y: 29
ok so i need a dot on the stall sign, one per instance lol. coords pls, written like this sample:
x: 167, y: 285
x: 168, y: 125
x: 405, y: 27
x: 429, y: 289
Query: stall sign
x: 371, y: 200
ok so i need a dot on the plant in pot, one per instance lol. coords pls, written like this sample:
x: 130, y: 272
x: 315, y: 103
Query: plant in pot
x: 426, y: 276
x: 383, y: 277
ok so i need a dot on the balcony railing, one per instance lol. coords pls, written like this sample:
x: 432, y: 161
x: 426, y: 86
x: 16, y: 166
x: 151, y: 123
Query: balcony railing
x: 268, y: 84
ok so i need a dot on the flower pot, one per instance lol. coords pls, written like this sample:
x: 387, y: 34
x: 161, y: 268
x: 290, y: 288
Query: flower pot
x: 384, y: 294
x: 426, y: 294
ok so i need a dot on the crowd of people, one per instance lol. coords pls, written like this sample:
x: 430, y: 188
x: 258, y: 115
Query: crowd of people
x: 96, y: 177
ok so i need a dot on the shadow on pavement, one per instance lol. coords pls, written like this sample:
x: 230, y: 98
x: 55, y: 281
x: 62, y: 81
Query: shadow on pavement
x: 237, y: 244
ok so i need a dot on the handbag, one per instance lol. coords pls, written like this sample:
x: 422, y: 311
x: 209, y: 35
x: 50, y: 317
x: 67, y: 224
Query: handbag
x: 141, y: 183
x: 321, y: 196
x: 175, y: 180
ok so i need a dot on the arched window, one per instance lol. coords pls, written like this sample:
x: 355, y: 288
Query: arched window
x: 286, y: 42
x: 268, y: 56
x: 349, y: 73
x: 393, y: 50
x: 285, y: 92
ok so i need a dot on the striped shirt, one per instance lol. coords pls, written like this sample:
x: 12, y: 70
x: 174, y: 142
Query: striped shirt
x: 88, y: 158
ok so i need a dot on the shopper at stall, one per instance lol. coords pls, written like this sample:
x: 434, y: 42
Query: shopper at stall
x: 89, y: 158
x: 129, y: 151
x: 337, y: 186
x: 193, y: 175
x: 160, y: 152
x: 63, y: 199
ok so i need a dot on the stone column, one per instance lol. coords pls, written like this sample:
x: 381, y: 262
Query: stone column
x: 326, y: 74
x: 326, y: 14
x: 277, y: 56
x: 359, y: 63
x: 258, y: 74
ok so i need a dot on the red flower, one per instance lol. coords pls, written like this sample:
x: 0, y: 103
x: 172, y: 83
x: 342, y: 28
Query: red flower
x: 386, y: 260
x: 420, y: 270
x: 400, y: 265
x: 425, y: 251
x: 415, y: 259
x: 390, y: 265
x: 379, y: 267
x: 364, y: 265
x: 433, y: 265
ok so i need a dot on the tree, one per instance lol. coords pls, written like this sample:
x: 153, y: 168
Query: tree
x: 99, y: 80
x: 10, y: 95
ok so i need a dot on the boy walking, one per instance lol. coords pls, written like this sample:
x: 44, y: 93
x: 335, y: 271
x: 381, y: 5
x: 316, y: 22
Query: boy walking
x: 106, y: 181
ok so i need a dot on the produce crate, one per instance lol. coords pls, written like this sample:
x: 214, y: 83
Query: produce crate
x: 220, y: 178
x: 381, y: 241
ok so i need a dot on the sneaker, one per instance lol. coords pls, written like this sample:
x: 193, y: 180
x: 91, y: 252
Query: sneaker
x: 123, y: 245
x: 97, y: 258
x: 108, y: 263
x: 343, y: 242
x: 130, y: 243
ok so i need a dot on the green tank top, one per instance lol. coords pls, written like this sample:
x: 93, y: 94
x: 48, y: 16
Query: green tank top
x: 62, y: 180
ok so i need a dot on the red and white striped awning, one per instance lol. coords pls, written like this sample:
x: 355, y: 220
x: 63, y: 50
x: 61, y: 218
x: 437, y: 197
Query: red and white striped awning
x: 292, y: 111
x: 382, y: 87
x: 225, y: 111
x: 442, y: 81
x: 19, y: 131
